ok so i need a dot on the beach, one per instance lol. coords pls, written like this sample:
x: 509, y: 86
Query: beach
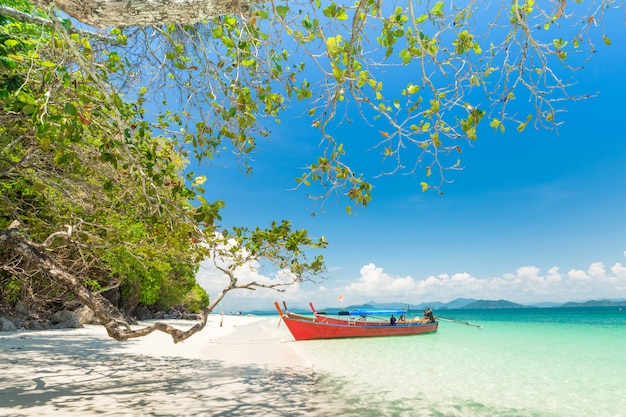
x: 523, y: 363
x: 238, y: 365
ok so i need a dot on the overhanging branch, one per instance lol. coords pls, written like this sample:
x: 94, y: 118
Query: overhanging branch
x: 107, y: 13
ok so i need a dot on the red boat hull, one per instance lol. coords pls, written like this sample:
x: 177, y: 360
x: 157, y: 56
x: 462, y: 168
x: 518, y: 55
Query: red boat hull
x: 309, y: 330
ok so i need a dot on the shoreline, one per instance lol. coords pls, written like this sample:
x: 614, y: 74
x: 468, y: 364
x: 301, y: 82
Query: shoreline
x: 247, y: 366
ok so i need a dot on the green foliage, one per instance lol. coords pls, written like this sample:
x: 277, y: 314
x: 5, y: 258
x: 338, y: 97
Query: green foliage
x: 279, y: 245
x: 103, y: 181
x: 72, y: 153
x: 439, y: 50
x: 10, y: 289
x: 348, y: 61
x: 196, y: 299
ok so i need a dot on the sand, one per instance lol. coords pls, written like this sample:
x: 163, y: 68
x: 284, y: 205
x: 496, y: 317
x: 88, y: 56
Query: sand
x: 246, y: 366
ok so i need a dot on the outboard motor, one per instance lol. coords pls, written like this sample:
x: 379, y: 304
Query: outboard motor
x: 428, y: 315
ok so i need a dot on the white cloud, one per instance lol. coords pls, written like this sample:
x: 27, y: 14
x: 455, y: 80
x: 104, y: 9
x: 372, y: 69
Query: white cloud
x: 596, y: 269
x: 554, y: 276
x: 619, y: 270
x: 373, y: 278
x: 578, y: 275
x: 528, y: 284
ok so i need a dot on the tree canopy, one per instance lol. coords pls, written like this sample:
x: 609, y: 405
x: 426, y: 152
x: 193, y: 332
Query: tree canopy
x: 99, y: 125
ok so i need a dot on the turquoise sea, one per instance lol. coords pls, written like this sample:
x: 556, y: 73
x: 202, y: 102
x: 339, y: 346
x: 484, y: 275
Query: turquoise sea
x: 548, y: 362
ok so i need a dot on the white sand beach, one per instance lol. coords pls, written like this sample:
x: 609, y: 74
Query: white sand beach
x: 245, y: 366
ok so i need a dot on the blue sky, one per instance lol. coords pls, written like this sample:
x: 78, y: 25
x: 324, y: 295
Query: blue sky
x: 534, y: 216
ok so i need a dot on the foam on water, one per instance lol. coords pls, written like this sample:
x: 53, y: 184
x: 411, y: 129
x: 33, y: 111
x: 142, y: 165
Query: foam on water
x: 547, y: 364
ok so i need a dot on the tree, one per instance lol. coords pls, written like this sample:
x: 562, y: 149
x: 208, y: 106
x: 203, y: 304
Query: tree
x: 92, y: 198
x: 193, y: 85
x: 469, y: 66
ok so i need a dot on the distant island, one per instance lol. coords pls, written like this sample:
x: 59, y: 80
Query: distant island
x: 470, y: 303
x: 491, y: 304
x: 596, y: 303
x: 465, y: 304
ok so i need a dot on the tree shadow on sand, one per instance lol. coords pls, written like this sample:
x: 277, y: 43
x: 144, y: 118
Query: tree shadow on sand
x: 70, y: 373
x: 67, y: 375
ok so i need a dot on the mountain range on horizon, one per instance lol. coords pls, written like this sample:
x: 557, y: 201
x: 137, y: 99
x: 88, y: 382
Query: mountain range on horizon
x: 471, y: 303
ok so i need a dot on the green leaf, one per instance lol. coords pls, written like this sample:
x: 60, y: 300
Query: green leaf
x: 7, y: 62
x: 412, y: 89
x: 606, y: 40
x: 29, y: 109
x: 228, y: 42
x: 282, y: 11
x: 25, y: 98
x: 117, y: 100
x: 11, y: 43
x: 38, y: 187
x: 341, y: 14
x: 334, y: 45
x: 438, y: 9
x: 70, y: 109
x: 199, y: 180
x: 495, y: 123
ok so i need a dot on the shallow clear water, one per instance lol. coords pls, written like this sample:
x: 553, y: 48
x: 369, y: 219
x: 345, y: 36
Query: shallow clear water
x: 529, y: 362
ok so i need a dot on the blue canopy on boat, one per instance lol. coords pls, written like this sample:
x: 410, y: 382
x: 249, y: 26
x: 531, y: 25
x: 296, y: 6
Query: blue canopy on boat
x: 375, y: 312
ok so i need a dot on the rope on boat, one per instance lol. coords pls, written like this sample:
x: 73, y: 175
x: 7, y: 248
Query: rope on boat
x: 458, y: 321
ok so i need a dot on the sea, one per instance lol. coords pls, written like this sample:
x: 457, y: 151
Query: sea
x: 539, y: 362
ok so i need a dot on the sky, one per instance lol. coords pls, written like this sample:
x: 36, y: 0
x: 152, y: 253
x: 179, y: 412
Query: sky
x: 533, y: 217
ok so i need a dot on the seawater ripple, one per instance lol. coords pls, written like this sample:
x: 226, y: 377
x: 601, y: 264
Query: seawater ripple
x: 524, y: 362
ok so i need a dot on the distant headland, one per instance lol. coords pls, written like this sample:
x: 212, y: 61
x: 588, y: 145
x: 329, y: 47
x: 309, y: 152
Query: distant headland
x: 470, y: 303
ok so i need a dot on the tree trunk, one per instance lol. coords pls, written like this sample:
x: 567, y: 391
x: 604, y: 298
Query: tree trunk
x: 108, y: 315
x: 104, y: 13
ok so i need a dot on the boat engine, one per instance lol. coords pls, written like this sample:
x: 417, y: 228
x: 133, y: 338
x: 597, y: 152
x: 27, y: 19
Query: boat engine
x: 428, y: 315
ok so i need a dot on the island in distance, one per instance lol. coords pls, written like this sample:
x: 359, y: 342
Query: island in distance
x: 466, y: 304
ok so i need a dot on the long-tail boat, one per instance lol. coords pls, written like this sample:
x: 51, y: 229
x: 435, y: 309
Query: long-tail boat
x: 353, y: 317
x: 303, y: 328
